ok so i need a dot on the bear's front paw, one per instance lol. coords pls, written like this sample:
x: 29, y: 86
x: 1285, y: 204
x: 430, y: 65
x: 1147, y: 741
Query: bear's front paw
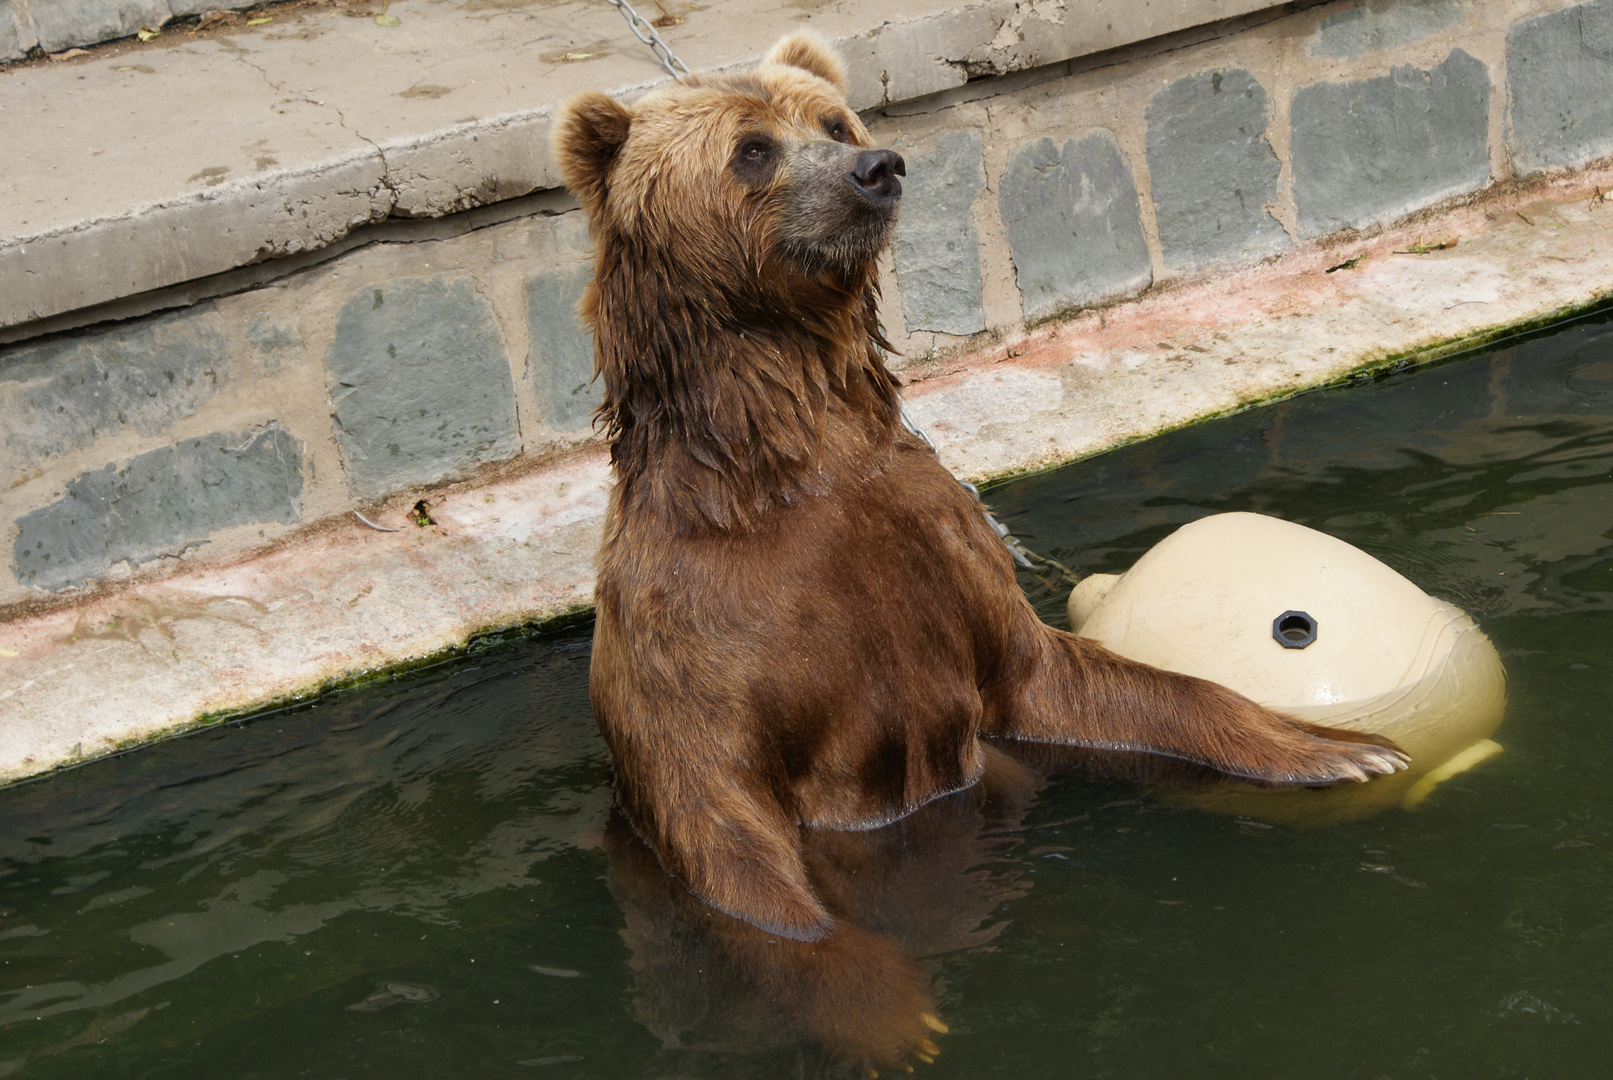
x: 1311, y: 755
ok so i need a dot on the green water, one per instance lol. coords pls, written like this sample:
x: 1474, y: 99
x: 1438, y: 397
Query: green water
x: 408, y: 880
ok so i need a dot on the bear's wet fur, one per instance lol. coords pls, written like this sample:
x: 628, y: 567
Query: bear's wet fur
x: 803, y: 621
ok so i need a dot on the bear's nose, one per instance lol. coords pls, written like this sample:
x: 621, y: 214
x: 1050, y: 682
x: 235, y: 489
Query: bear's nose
x: 875, y: 173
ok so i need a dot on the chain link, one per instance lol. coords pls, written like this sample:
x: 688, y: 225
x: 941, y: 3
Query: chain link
x: 635, y: 22
x: 1024, y: 557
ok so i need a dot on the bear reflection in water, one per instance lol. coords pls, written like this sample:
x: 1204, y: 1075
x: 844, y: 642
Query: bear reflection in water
x: 710, y: 985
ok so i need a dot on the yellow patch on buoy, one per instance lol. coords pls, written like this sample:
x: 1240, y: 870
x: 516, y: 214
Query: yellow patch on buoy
x: 1473, y: 756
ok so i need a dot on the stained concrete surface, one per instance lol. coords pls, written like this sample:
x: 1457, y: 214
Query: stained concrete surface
x: 127, y: 666
x: 277, y: 338
x: 78, y: 683
x: 76, y: 404
x: 1201, y: 349
x: 1168, y: 169
x: 68, y: 393
x: 1073, y: 225
x: 1372, y: 150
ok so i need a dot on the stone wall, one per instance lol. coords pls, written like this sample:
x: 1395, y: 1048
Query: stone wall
x: 54, y: 25
x: 1093, y: 186
x: 401, y: 366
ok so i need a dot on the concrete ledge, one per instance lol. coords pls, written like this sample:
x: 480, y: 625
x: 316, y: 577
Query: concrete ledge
x: 282, y: 138
x: 81, y: 680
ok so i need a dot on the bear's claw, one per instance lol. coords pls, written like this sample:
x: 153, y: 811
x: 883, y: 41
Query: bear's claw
x: 1330, y: 755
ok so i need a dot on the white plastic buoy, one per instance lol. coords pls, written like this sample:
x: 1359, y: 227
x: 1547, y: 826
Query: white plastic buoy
x: 1313, y: 628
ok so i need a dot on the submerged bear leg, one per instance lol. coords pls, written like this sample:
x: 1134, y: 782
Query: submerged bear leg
x: 693, y: 775
x: 705, y: 980
x: 730, y: 841
x: 1061, y: 689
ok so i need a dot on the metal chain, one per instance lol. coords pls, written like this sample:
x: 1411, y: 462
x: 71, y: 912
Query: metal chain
x: 1023, y: 556
x: 674, y: 67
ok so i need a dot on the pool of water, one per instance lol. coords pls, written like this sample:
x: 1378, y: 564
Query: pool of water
x: 412, y: 879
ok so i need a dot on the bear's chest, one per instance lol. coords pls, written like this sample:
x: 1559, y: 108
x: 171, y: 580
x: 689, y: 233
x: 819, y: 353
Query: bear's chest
x: 846, y: 643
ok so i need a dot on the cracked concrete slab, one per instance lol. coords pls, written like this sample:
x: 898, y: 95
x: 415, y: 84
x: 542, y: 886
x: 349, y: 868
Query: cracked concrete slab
x: 142, y: 166
x: 80, y: 681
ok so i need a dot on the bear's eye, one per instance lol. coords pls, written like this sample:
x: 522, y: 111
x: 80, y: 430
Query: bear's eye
x: 837, y: 130
x: 754, y: 160
x: 755, y: 151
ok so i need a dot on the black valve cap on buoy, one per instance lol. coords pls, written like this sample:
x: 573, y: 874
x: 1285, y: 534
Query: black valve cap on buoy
x: 1294, y: 629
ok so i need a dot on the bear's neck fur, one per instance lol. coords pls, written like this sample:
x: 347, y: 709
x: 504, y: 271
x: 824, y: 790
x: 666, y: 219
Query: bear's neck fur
x: 721, y: 407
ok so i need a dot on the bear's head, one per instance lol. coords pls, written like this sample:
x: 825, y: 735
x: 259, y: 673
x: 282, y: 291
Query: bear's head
x: 759, y: 182
x: 736, y: 220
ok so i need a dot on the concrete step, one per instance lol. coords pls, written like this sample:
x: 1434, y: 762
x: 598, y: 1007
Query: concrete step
x: 143, y: 165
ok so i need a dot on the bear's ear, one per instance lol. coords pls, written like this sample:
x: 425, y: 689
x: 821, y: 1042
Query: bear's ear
x: 809, y: 53
x: 590, y: 130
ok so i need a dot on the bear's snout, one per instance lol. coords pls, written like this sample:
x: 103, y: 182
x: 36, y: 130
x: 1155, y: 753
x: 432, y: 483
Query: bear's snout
x: 875, y: 172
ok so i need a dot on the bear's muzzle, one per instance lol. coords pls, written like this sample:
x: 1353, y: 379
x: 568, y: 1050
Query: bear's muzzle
x: 874, y: 173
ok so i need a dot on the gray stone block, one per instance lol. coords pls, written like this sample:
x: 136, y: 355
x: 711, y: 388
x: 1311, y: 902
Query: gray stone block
x: 1383, y: 24
x: 197, y: 7
x: 10, y: 39
x: 158, y: 504
x: 63, y: 24
x: 420, y: 385
x: 937, y: 250
x: 66, y: 394
x: 23, y: 23
x: 1560, y: 83
x: 560, y: 361
x: 1073, y: 226
x: 1211, y: 169
x: 1372, y: 151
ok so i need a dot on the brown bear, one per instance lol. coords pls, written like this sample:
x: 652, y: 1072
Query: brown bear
x: 803, y: 621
